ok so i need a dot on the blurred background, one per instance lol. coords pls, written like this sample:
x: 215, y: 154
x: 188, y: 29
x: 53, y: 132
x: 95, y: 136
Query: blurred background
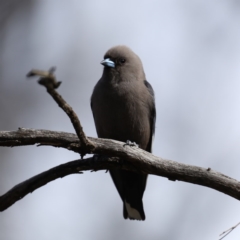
x: 190, y: 50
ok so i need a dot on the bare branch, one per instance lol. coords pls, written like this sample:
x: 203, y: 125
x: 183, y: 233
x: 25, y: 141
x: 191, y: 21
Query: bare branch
x: 74, y: 167
x: 119, y: 155
x: 135, y: 159
x: 48, y: 80
x: 24, y: 137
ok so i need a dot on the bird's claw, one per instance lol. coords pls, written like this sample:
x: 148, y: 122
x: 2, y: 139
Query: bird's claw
x: 131, y: 144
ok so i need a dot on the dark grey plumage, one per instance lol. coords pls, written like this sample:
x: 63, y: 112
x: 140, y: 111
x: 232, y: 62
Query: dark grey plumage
x: 124, y: 109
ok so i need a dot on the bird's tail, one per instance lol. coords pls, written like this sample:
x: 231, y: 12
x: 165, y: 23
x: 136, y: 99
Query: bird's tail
x: 133, y: 213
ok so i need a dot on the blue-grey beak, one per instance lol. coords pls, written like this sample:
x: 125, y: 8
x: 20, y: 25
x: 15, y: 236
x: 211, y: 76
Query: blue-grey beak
x: 108, y: 63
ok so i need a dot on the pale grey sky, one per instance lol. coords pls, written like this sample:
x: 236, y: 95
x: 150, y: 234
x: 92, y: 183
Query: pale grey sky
x: 190, y: 50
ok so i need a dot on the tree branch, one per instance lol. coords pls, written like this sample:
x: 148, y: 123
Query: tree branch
x: 74, y: 167
x: 118, y: 155
x: 135, y: 159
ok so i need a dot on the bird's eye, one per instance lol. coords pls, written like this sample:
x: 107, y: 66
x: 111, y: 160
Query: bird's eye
x: 122, y: 60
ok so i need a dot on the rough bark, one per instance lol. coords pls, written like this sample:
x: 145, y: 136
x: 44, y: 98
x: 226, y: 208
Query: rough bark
x: 117, y: 155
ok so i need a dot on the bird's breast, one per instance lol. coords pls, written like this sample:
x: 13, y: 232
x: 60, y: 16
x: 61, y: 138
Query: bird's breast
x: 121, y: 113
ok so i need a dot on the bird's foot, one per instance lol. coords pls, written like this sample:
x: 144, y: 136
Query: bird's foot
x: 131, y: 144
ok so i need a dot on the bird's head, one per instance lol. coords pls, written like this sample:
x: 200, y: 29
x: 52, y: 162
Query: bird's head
x: 121, y: 61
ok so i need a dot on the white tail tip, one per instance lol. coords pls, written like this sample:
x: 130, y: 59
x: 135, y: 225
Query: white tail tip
x: 132, y: 212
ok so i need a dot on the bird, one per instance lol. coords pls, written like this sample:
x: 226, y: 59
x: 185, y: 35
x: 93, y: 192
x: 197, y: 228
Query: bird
x: 123, y: 107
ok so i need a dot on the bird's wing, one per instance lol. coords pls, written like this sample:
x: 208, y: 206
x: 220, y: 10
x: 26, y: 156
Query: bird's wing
x: 152, y: 115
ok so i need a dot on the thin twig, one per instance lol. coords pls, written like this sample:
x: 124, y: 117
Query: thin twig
x: 48, y: 80
x: 225, y: 233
